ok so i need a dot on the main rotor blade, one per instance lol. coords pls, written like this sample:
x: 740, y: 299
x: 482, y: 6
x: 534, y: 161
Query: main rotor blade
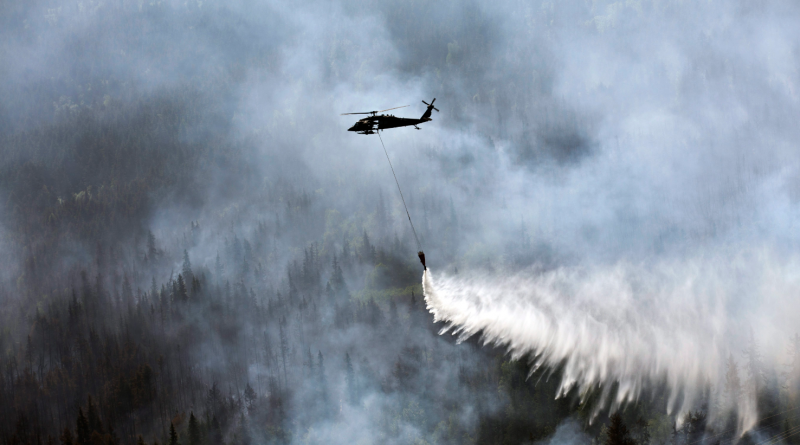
x: 393, y: 108
x: 368, y: 112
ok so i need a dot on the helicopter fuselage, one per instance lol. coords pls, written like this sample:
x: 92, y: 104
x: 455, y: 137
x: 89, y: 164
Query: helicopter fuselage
x: 376, y: 122
x: 369, y: 125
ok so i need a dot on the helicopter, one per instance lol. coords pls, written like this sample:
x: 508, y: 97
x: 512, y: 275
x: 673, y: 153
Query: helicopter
x: 375, y: 122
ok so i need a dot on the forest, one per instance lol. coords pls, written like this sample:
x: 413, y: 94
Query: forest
x: 191, y: 253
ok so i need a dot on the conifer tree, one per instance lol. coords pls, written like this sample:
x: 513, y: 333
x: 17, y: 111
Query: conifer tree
x: 250, y: 395
x: 394, y: 316
x: 82, y: 428
x: 733, y: 384
x: 182, y: 293
x: 323, y: 388
x: 95, y: 424
x: 152, y: 251
x: 320, y: 367
x: 309, y: 363
x: 173, y: 436
x: 337, y: 281
x: 350, y: 378
x: 186, y: 270
x: 214, y: 431
x: 66, y: 437
x: 127, y: 292
x: 753, y: 366
x: 219, y: 270
x: 617, y: 433
x: 194, y: 430
x: 284, y: 347
x: 153, y: 290
x: 367, y: 251
x: 346, y: 251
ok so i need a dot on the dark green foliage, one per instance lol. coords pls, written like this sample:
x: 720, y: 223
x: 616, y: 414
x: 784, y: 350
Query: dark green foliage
x: 617, y: 433
x: 173, y: 436
x: 194, y: 430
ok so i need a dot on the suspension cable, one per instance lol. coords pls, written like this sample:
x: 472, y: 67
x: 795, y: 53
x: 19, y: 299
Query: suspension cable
x: 419, y: 246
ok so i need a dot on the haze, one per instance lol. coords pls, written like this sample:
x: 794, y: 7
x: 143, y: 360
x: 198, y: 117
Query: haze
x: 191, y: 240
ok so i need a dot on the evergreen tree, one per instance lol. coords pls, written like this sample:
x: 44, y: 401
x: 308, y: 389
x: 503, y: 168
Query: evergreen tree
x: 733, y: 385
x: 182, y: 294
x: 173, y: 436
x: 247, y: 258
x: 127, y: 290
x: 214, y: 431
x: 194, y: 430
x: 309, y: 363
x: 320, y: 367
x: 323, y: 387
x: 753, y: 366
x: 394, y: 316
x: 186, y: 270
x: 337, y: 281
x: 66, y: 437
x: 82, y: 428
x: 284, y: 348
x: 250, y: 395
x: 219, y: 270
x: 350, y: 379
x: 617, y: 433
x: 153, y: 290
x: 152, y: 251
x: 346, y: 255
x: 367, y: 251
x: 694, y: 425
x: 95, y: 424
x: 243, y: 432
x: 269, y: 355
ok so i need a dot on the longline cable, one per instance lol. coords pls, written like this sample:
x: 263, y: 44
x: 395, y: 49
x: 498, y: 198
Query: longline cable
x: 781, y: 436
x: 419, y: 246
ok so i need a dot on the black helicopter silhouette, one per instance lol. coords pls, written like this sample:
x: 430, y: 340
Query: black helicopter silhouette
x: 375, y: 122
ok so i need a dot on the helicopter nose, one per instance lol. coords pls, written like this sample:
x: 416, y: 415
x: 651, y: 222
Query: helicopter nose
x: 353, y: 128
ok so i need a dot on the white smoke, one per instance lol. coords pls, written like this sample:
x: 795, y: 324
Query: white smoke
x: 670, y: 323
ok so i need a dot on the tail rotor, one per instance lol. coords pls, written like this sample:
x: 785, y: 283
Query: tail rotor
x: 430, y: 105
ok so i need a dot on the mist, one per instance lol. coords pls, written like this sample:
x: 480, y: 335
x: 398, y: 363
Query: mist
x: 609, y: 193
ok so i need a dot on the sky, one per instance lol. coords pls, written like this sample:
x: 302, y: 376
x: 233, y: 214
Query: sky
x: 653, y: 142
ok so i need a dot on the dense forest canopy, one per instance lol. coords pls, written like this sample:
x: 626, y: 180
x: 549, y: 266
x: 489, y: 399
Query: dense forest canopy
x: 195, y: 251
